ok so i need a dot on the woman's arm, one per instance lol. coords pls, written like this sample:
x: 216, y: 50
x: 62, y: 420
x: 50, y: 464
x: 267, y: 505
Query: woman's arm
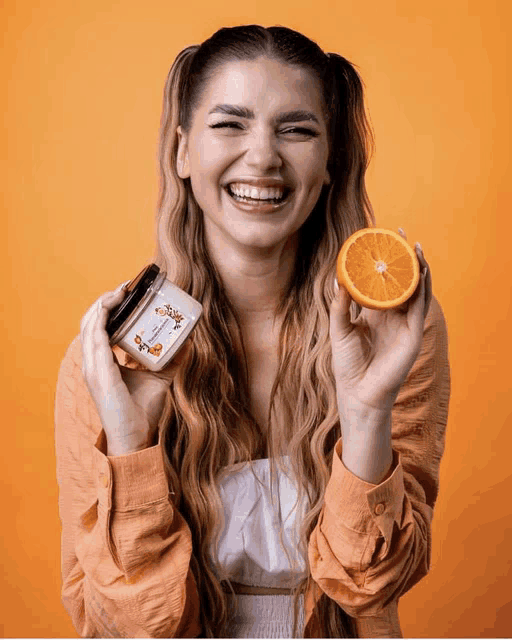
x: 125, y: 548
x: 372, y: 541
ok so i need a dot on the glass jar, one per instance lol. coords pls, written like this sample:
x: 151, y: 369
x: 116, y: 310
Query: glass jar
x: 154, y: 319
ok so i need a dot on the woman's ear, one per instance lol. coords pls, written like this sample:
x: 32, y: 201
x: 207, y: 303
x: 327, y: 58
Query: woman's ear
x: 182, y: 155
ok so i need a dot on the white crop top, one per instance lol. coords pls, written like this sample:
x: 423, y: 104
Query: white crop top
x: 250, y: 549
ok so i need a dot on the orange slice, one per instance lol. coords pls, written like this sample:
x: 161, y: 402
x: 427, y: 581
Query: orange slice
x: 378, y: 268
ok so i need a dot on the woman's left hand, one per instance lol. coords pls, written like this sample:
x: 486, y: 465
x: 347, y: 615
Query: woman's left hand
x: 372, y: 356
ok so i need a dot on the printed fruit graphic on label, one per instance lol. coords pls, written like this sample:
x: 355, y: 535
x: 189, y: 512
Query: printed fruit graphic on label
x: 156, y: 350
x: 378, y: 268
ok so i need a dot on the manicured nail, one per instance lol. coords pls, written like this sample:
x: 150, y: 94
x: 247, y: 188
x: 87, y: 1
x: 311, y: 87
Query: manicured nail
x: 424, y: 271
x: 336, y: 285
x: 418, y: 246
x: 401, y: 230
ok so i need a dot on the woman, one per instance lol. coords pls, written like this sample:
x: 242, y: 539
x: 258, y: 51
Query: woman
x: 166, y: 532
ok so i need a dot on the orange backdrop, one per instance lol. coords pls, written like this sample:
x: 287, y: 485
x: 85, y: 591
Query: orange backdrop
x: 82, y: 86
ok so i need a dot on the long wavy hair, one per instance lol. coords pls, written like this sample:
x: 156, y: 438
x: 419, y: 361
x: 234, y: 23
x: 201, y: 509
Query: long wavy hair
x: 206, y: 424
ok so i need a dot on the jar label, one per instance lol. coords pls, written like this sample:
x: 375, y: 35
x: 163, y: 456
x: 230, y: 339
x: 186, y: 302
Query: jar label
x: 157, y: 331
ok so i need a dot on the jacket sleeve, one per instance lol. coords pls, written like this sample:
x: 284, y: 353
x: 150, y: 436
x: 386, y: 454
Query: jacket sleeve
x: 125, y: 550
x: 372, y: 542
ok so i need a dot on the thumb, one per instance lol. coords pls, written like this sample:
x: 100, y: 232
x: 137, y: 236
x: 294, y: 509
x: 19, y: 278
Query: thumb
x: 340, y: 323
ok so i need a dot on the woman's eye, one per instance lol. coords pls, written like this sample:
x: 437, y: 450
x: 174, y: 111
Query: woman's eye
x: 230, y: 125
x: 304, y: 131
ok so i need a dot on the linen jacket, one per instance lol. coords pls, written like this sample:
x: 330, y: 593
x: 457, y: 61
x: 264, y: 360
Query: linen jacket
x: 126, y: 549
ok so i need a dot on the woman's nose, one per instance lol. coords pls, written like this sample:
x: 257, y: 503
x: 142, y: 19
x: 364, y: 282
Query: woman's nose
x: 262, y: 151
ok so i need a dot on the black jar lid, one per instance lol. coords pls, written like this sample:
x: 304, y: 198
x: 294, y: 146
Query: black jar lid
x: 137, y: 289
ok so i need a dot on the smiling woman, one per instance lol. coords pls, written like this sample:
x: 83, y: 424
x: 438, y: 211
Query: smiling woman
x: 234, y: 152
x: 289, y: 486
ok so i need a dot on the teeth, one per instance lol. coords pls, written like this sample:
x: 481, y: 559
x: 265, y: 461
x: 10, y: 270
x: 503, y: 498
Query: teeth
x: 246, y: 191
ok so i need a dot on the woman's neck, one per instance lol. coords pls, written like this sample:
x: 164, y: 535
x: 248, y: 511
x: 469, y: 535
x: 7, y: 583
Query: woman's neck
x: 255, y: 279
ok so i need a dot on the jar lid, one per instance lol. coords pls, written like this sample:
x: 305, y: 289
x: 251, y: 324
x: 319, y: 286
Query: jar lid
x: 137, y: 289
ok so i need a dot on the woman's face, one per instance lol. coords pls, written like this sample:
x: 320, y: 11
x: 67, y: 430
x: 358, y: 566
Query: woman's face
x: 256, y: 152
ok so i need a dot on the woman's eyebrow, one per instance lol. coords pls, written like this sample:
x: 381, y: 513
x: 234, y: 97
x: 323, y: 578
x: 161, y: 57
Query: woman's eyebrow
x: 298, y: 115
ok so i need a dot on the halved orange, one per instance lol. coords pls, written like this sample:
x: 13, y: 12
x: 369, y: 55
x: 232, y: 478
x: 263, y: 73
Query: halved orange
x: 378, y: 268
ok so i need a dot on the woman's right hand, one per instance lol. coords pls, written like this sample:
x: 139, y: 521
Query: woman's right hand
x: 129, y: 401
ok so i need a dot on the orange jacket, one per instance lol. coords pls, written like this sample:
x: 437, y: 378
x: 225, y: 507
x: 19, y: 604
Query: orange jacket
x: 126, y: 549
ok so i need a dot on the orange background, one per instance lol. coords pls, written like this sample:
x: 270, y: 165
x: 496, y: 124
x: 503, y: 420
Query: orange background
x: 82, y: 87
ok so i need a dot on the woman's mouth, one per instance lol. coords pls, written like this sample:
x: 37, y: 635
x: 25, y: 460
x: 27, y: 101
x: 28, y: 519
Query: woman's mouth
x: 257, y: 197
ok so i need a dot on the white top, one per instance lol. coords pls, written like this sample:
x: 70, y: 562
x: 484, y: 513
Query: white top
x: 250, y: 549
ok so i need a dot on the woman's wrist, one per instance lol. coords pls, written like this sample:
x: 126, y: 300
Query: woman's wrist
x: 366, y: 443
x: 127, y: 444
x: 119, y: 449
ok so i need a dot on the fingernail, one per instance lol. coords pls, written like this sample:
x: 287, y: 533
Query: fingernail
x: 401, y: 230
x: 336, y: 285
x: 418, y: 246
x: 424, y: 271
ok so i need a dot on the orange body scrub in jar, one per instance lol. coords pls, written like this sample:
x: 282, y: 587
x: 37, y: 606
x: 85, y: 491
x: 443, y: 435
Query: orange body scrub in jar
x: 154, y: 319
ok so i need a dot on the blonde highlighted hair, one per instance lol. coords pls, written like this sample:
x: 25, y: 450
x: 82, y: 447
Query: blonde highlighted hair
x: 206, y: 423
